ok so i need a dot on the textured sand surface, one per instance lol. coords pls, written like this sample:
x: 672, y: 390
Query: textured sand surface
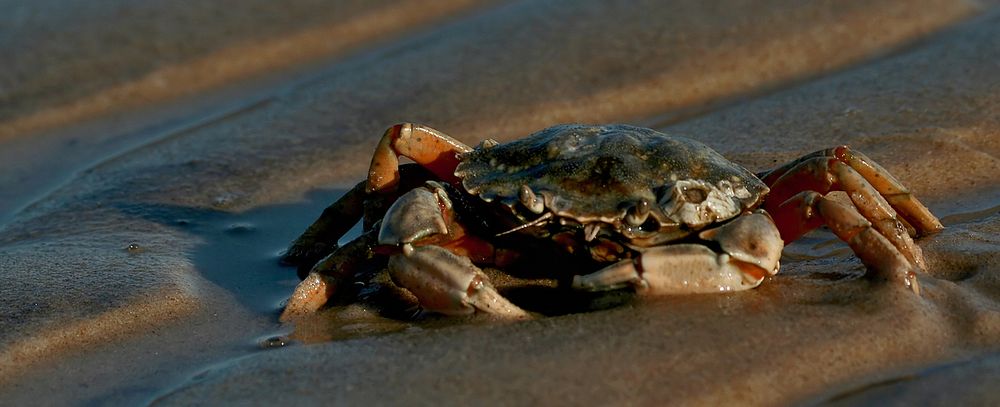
x: 71, y: 63
x: 160, y: 260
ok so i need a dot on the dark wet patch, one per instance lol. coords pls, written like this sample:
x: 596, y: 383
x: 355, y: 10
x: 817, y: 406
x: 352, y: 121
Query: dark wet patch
x: 239, y: 252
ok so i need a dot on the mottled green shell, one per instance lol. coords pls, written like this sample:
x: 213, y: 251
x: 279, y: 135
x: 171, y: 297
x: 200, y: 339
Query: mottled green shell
x: 597, y: 173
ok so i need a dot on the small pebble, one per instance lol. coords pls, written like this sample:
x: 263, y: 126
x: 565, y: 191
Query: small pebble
x: 274, y: 342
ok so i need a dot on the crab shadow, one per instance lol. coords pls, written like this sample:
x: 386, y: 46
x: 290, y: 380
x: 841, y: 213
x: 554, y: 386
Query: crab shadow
x: 240, y: 251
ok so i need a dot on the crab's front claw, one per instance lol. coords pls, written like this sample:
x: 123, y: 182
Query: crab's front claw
x: 447, y: 283
x: 416, y: 215
x: 750, y: 244
x: 674, y: 269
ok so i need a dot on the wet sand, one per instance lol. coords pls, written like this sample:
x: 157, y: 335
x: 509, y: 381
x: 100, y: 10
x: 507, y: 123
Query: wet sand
x: 151, y: 274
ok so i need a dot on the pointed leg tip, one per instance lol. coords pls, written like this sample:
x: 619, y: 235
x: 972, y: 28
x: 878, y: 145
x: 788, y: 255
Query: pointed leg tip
x: 309, y: 296
x: 912, y: 283
x: 489, y: 301
x: 895, y: 278
x: 616, y: 276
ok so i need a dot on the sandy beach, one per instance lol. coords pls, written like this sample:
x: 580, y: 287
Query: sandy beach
x: 156, y: 159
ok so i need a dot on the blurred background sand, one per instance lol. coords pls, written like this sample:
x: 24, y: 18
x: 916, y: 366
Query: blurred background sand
x: 155, y: 158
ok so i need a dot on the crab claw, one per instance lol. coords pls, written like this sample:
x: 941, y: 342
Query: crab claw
x: 674, y: 269
x: 750, y: 248
x: 752, y: 239
x: 447, y: 283
x: 415, y: 215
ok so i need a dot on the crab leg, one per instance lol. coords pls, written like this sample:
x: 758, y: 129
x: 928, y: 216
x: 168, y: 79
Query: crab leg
x: 447, y: 283
x: 436, y: 156
x: 809, y: 209
x: 322, y: 281
x: 825, y: 174
x: 893, y: 191
x: 435, y: 262
x: 430, y: 148
x: 750, y: 249
x: 320, y: 239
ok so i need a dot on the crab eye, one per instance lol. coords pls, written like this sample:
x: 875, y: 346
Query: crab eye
x: 650, y: 225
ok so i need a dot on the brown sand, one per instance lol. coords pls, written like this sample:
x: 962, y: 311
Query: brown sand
x: 73, y: 63
x: 206, y: 208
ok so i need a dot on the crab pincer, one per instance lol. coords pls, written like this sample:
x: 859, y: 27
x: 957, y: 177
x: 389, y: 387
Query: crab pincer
x: 747, y: 250
x: 421, y: 223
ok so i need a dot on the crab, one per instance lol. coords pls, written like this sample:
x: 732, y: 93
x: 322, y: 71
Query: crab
x: 637, y: 208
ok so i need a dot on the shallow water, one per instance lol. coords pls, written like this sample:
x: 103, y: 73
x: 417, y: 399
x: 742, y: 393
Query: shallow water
x: 238, y: 254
